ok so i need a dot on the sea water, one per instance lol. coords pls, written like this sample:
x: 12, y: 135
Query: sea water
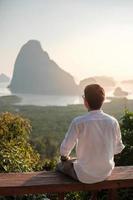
x: 57, y: 100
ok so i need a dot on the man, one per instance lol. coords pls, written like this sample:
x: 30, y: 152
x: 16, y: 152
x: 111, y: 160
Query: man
x: 97, y: 138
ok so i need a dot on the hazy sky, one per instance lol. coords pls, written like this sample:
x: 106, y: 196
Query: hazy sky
x: 84, y: 37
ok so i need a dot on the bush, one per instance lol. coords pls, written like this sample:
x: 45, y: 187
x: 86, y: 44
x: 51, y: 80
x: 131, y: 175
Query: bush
x: 16, y: 153
x: 126, y: 157
x: 126, y: 123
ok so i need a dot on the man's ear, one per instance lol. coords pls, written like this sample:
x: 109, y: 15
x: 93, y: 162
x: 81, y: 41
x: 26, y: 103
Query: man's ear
x: 86, y: 104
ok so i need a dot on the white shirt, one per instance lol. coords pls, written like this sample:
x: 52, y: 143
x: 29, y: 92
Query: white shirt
x: 97, y: 138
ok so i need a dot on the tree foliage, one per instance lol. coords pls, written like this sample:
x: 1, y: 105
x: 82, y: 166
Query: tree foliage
x: 126, y: 157
x: 16, y: 153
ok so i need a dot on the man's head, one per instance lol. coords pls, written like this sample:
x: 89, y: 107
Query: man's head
x: 94, y: 96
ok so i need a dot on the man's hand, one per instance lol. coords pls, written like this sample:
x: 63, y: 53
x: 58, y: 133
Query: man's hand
x: 64, y: 158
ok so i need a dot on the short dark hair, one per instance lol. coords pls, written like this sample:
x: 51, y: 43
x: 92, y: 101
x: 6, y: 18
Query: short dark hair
x: 94, y: 95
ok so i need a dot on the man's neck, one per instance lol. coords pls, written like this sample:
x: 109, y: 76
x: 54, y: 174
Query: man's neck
x: 89, y: 110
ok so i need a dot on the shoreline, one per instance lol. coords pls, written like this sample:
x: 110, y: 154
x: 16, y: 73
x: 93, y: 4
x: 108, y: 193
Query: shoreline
x: 37, y: 100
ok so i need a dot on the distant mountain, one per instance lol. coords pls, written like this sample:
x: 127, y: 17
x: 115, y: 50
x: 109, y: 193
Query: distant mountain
x: 127, y: 82
x: 4, y: 78
x: 36, y: 73
x: 105, y: 81
x: 120, y: 93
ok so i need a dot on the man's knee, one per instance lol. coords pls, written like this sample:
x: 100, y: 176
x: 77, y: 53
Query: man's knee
x: 64, y: 166
x: 67, y: 168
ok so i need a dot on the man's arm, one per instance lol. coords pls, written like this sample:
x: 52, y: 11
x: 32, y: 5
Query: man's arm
x: 69, y: 141
x: 119, y: 146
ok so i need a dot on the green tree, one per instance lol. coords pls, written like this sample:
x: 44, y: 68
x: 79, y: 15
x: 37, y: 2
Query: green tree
x: 126, y: 157
x: 16, y: 153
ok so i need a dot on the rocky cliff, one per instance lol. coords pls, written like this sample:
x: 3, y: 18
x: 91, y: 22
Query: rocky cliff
x: 35, y: 73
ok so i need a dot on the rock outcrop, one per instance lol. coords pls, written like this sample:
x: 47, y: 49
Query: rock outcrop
x: 36, y: 73
x: 106, y: 82
x: 120, y: 93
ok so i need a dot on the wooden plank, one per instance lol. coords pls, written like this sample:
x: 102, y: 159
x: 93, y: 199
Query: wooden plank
x: 52, y: 189
x: 50, y: 182
x: 37, y: 178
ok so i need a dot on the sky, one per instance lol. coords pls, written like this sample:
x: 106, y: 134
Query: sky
x: 84, y: 37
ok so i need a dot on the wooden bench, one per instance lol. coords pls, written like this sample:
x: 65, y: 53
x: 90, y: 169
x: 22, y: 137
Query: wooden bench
x: 54, y: 182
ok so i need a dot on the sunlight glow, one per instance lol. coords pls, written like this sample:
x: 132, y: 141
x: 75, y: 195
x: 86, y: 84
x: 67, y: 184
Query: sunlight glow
x: 85, y: 38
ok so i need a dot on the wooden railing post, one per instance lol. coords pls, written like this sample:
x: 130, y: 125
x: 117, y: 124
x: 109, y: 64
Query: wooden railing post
x: 94, y: 195
x: 112, y: 194
x: 61, y: 196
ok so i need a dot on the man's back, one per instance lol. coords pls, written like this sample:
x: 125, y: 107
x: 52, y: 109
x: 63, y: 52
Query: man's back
x: 97, y: 140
